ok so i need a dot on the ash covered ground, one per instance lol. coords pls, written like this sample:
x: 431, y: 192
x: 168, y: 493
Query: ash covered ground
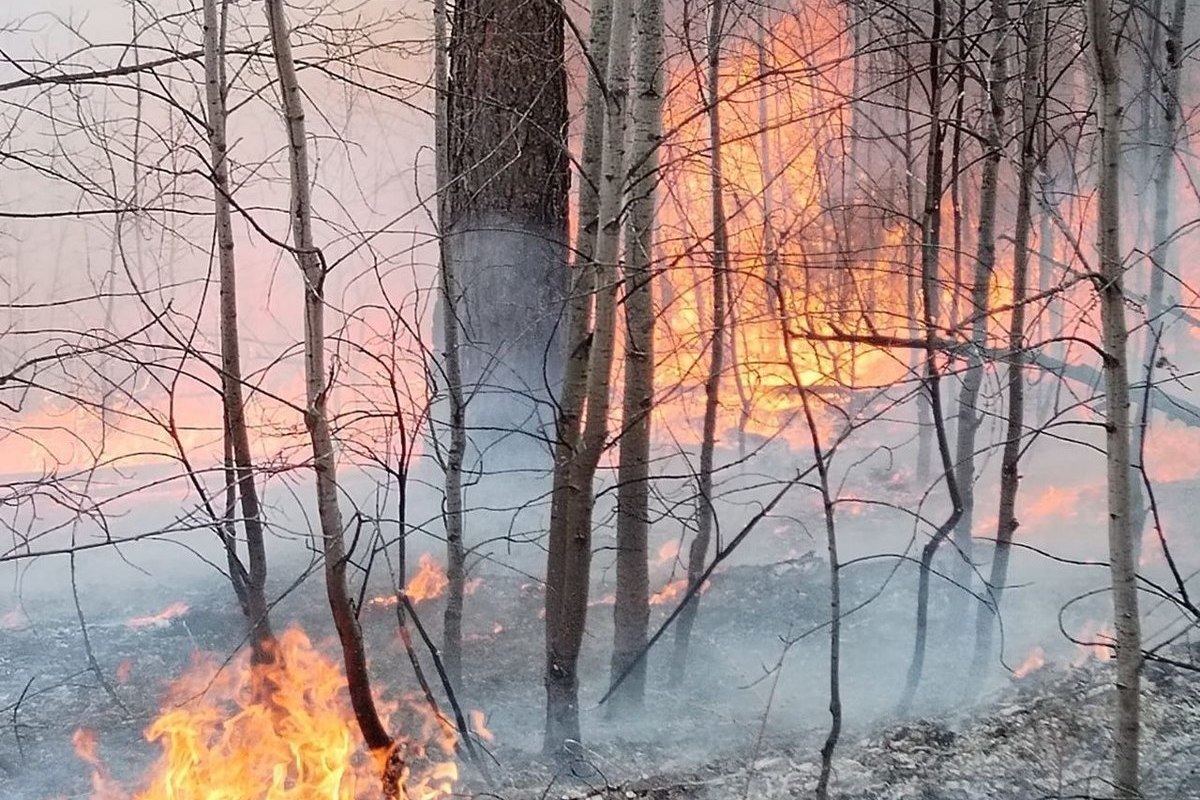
x: 749, y: 719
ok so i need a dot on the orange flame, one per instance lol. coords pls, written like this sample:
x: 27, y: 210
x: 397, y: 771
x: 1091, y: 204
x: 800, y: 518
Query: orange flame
x: 1056, y: 502
x: 299, y: 743
x: 176, y: 609
x: 671, y: 591
x: 1097, y: 639
x: 675, y: 591
x: 1032, y: 663
x: 429, y: 582
x: 668, y: 551
x: 479, y: 725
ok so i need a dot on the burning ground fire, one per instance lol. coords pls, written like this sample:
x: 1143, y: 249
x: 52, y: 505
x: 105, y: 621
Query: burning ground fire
x: 176, y: 609
x: 1094, y: 641
x: 283, y: 731
x: 429, y: 583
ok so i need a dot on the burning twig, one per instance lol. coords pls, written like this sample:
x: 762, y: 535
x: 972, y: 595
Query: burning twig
x: 459, y: 719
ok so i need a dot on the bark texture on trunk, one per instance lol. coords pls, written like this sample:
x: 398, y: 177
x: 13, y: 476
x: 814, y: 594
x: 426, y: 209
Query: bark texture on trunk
x: 506, y: 212
x: 253, y: 583
x: 569, y: 560
x: 698, y: 552
x: 316, y: 418
x: 931, y: 232
x: 451, y: 366
x: 969, y: 419
x: 1158, y: 313
x: 631, y: 612
x: 1010, y: 477
x: 1121, y: 538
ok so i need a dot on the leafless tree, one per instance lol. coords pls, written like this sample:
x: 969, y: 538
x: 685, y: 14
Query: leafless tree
x: 1121, y: 536
x: 631, y: 609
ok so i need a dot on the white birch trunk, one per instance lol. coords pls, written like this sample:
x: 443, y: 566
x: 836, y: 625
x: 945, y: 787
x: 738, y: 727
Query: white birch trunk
x: 1121, y: 544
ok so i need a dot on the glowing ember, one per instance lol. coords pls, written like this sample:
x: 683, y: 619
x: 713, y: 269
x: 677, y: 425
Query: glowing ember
x: 606, y: 600
x: 176, y: 609
x: 479, y: 725
x: 124, y: 671
x: 472, y: 586
x: 1032, y: 663
x: 222, y: 740
x: 14, y: 620
x: 668, y: 551
x: 674, y: 591
x: 1057, y: 502
x: 1097, y: 639
x: 671, y: 591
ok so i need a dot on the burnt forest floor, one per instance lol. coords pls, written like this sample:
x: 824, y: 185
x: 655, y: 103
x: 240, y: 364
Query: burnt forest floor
x: 741, y: 725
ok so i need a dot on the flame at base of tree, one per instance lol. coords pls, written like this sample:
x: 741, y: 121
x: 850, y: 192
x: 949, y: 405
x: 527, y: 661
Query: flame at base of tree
x: 224, y: 738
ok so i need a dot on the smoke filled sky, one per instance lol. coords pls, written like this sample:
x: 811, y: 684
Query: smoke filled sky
x: 107, y: 231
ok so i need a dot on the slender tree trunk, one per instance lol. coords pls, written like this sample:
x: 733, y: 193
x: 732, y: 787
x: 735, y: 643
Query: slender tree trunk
x: 969, y: 419
x: 450, y: 293
x: 1121, y: 544
x: 228, y: 525
x: 698, y: 552
x: 561, y: 687
x: 1157, y: 315
x: 261, y: 638
x: 912, y: 280
x: 573, y: 533
x: 1006, y: 523
x: 931, y: 230
x: 765, y: 164
x: 960, y: 102
x: 568, y: 428
x: 821, y: 459
x: 313, y: 269
x: 631, y: 612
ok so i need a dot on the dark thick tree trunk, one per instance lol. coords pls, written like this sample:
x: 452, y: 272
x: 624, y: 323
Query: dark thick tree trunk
x: 507, y: 205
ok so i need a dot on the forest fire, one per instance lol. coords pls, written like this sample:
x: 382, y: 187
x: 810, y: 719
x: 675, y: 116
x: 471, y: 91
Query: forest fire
x: 779, y: 159
x: 843, y: 306
x: 284, y: 731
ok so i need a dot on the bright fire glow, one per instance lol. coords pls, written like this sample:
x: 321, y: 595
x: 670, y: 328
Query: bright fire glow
x: 176, y: 609
x: 223, y: 737
x: 1097, y: 638
x: 783, y: 165
x: 671, y: 591
x: 1032, y: 663
x: 430, y: 582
